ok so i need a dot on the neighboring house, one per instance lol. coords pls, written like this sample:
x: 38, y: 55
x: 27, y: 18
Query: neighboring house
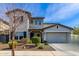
x: 30, y: 26
x: 4, y: 27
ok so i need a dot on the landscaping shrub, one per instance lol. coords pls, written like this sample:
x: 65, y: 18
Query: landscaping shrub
x: 14, y: 44
x: 28, y: 41
x: 24, y: 41
x: 18, y: 41
x: 36, y: 40
x: 41, y: 46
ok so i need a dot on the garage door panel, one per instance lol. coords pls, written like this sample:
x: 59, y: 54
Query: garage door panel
x: 56, y: 37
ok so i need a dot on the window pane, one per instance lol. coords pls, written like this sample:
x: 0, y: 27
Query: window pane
x: 35, y: 22
x: 31, y: 21
x: 39, y: 22
x: 21, y: 37
x: 24, y: 34
x: 16, y: 37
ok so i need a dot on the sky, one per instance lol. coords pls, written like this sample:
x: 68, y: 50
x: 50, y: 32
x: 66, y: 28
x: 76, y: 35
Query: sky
x: 64, y: 13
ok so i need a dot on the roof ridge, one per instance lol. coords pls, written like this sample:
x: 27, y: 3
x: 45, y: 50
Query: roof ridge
x: 19, y: 10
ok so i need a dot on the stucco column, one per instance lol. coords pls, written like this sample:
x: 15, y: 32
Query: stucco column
x: 44, y: 34
x: 28, y: 34
x: 27, y: 23
x: 9, y: 35
x: 69, y: 38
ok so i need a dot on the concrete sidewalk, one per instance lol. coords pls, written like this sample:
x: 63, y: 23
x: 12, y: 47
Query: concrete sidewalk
x: 27, y: 53
x: 5, y: 53
x: 34, y: 53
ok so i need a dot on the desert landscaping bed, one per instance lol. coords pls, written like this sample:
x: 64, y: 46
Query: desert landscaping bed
x: 5, y: 47
x: 46, y: 48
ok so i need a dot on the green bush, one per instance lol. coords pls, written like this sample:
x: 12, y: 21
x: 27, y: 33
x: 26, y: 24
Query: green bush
x: 41, y: 46
x: 24, y: 41
x: 18, y: 41
x: 36, y: 40
x: 28, y: 41
x: 14, y: 44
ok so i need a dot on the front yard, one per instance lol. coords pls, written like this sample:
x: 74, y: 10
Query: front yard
x: 26, y: 44
x: 46, y: 48
x: 5, y: 47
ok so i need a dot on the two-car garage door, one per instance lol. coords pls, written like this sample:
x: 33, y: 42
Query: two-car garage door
x: 56, y: 37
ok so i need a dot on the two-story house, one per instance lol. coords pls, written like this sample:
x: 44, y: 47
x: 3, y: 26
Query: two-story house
x: 30, y: 26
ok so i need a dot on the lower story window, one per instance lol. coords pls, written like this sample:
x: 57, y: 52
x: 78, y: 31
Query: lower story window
x: 16, y: 37
x: 20, y: 35
x: 25, y: 34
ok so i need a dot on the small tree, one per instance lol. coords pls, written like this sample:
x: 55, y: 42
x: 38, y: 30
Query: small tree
x: 76, y: 30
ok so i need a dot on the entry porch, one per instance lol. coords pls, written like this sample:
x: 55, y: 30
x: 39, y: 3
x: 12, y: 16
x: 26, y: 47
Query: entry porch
x: 36, y: 32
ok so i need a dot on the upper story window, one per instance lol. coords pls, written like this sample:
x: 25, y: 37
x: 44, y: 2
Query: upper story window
x: 36, y: 22
x: 40, y: 22
x: 31, y: 21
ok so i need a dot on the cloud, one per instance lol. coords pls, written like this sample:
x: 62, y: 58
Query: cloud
x: 4, y: 7
x: 55, y: 12
x: 34, y: 8
x: 63, y: 12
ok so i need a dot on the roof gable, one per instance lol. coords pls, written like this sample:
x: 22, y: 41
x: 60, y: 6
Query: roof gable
x: 54, y: 24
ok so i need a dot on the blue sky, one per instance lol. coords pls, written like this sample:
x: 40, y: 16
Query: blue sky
x: 64, y: 13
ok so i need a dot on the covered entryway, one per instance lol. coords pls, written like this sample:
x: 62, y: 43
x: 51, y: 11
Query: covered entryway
x: 36, y: 32
x: 56, y: 37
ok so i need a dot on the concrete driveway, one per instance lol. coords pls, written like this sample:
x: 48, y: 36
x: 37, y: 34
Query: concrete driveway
x: 65, y: 49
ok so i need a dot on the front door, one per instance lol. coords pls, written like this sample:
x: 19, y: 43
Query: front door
x: 31, y: 35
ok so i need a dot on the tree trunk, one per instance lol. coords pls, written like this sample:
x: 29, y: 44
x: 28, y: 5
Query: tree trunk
x: 13, y: 38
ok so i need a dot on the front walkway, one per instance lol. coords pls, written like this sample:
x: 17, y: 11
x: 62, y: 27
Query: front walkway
x: 65, y: 49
